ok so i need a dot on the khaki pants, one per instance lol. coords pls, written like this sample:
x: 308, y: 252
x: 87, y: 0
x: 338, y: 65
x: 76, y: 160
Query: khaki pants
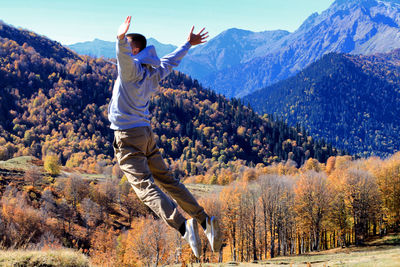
x: 140, y: 159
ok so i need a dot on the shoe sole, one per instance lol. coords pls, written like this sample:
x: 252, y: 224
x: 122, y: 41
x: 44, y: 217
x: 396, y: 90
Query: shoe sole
x: 196, y: 234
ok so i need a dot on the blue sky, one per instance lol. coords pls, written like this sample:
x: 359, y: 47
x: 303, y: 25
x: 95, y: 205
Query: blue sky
x: 168, y: 21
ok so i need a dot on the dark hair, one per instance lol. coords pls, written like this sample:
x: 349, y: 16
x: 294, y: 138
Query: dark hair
x: 138, y: 40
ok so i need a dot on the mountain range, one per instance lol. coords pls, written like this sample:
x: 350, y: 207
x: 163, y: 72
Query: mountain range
x: 229, y: 49
x: 238, y: 62
x: 348, y: 26
x: 100, y: 48
x: 350, y: 100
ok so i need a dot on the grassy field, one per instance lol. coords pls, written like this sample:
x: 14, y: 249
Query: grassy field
x: 203, y: 190
x: 20, y: 163
x: 361, y: 257
x: 379, y: 253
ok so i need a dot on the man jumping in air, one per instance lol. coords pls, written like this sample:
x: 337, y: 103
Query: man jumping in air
x: 139, y: 74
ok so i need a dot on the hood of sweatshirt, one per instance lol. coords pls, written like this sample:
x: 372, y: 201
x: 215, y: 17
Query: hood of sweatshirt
x: 148, y: 56
x: 129, y: 105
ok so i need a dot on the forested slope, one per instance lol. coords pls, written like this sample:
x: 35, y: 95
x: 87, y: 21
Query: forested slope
x: 59, y: 106
x: 351, y: 101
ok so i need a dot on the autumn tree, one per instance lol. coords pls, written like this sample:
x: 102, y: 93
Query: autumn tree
x: 75, y: 190
x: 51, y: 165
x: 388, y: 178
x: 276, y: 202
x: 339, y: 213
x: 90, y: 214
x: 48, y: 203
x: 363, y: 199
x: 312, y: 203
x: 250, y: 218
x: 21, y: 223
x: 104, y: 246
x: 32, y: 175
x: 230, y: 198
x: 65, y: 214
x: 147, y: 243
x: 105, y: 194
x: 133, y: 206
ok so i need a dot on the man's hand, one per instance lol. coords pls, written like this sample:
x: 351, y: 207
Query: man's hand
x: 123, y: 29
x: 195, y: 39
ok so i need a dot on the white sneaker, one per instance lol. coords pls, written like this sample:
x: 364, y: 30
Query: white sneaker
x: 213, y: 233
x: 192, y: 237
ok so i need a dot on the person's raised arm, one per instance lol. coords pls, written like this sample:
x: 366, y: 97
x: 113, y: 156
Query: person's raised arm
x: 128, y: 68
x: 173, y: 59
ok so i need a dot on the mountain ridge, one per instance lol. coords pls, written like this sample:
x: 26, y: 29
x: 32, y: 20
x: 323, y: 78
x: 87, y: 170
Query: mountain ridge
x: 101, y: 48
x: 351, y: 100
x: 46, y: 47
x: 228, y: 50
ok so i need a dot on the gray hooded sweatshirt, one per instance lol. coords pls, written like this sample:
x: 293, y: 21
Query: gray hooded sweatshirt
x: 138, y: 78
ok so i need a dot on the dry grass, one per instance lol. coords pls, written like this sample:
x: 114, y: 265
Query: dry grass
x: 23, y: 163
x: 28, y: 258
x: 203, y: 190
x: 379, y: 253
x: 348, y: 257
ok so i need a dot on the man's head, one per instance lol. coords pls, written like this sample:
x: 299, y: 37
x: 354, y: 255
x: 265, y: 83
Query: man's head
x: 137, y: 41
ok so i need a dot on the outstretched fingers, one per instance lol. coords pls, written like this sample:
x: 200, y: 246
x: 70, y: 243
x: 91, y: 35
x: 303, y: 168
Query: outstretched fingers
x: 204, y: 35
x: 201, y: 31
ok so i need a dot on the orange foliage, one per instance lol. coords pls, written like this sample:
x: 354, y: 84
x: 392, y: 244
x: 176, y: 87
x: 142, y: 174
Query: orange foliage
x: 104, y: 246
x: 148, y: 242
x: 23, y: 224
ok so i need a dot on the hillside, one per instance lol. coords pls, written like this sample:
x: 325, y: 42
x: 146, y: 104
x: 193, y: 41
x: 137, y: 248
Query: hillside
x: 265, y: 212
x: 60, y: 107
x: 351, y: 101
x: 45, y: 47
